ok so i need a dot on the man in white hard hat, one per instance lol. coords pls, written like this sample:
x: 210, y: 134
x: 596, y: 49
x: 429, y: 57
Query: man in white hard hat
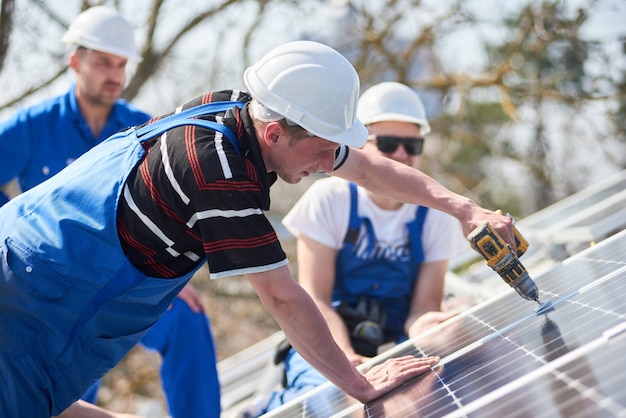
x: 31, y: 148
x: 154, y: 202
x: 374, y: 266
x: 38, y: 142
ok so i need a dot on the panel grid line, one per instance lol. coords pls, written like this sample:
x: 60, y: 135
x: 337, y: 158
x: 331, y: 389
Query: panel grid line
x: 532, y: 376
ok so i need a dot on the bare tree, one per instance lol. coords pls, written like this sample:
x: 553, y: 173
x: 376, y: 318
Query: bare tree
x: 540, y: 61
x: 151, y: 58
x: 535, y: 74
x: 6, y: 25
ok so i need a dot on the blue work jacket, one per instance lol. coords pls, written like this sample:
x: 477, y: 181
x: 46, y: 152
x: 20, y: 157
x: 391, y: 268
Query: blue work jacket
x: 39, y: 141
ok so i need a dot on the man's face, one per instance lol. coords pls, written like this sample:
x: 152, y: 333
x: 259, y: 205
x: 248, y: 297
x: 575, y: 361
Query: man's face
x: 100, y: 76
x: 294, y: 159
x: 404, y: 131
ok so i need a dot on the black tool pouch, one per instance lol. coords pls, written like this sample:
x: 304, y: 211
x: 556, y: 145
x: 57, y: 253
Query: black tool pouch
x: 366, y: 324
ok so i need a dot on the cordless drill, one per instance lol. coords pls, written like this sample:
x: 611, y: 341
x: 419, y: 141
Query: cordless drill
x: 503, y: 260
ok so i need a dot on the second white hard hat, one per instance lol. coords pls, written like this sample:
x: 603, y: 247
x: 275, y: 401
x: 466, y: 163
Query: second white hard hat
x: 103, y: 29
x: 391, y: 101
x: 312, y: 85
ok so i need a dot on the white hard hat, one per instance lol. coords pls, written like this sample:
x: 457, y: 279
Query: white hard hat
x: 392, y: 102
x: 103, y: 29
x: 312, y: 85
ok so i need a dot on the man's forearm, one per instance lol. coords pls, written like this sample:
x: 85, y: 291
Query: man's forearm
x: 82, y: 409
x: 406, y: 184
x: 337, y: 327
x: 11, y: 189
x: 306, y: 329
x: 402, y: 183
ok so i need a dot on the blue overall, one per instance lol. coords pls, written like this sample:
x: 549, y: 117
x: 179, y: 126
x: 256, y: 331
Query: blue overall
x: 389, y: 281
x: 71, y: 303
x: 188, y: 368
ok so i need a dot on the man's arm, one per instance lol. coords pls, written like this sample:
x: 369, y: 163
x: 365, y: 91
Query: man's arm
x: 400, y: 182
x: 316, y: 274
x: 192, y: 298
x: 82, y: 409
x: 425, y: 311
x: 11, y: 189
x: 306, y: 330
x: 15, y: 147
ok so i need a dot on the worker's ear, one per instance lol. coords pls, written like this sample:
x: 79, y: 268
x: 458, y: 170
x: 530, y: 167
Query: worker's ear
x: 73, y: 61
x: 273, y: 132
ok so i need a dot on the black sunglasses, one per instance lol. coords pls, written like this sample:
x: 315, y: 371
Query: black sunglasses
x: 388, y: 144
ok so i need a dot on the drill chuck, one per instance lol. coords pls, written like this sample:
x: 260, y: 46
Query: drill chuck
x: 527, y: 288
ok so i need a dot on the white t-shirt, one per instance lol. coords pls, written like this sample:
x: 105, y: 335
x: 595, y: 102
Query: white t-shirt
x: 323, y: 214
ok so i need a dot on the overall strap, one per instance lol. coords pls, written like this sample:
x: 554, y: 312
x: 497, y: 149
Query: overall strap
x: 415, y: 233
x: 352, y: 234
x: 186, y: 118
x: 354, y: 225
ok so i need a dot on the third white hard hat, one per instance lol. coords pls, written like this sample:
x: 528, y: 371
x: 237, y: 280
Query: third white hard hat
x: 311, y: 85
x: 391, y: 101
x: 103, y: 29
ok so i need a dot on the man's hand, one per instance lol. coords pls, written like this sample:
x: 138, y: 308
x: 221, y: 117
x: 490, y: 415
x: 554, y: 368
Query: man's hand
x: 404, y: 400
x: 502, y: 224
x: 191, y: 296
x: 11, y: 189
x: 429, y: 320
x: 82, y: 409
x: 393, y: 373
x: 357, y: 359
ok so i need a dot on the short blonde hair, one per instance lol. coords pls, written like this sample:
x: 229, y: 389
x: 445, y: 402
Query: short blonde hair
x: 261, y: 116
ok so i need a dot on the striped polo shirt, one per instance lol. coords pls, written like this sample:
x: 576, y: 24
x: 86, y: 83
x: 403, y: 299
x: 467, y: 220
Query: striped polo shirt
x: 194, y: 196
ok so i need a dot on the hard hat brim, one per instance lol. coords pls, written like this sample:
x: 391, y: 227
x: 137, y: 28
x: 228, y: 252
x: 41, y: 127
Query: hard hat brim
x: 398, y: 117
x: 70, y: 40
x: 354, y: 137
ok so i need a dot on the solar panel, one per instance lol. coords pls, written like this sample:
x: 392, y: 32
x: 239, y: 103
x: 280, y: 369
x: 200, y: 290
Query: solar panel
x: 558, y: 215
x: 501, y: 358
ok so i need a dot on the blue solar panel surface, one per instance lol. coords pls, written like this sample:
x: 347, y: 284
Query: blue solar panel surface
x: 501, y: 358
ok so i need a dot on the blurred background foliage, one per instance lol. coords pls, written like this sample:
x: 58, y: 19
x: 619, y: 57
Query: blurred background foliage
x: 526, y: 98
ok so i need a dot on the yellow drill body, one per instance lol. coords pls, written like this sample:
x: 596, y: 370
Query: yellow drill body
x: 503, y: 260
